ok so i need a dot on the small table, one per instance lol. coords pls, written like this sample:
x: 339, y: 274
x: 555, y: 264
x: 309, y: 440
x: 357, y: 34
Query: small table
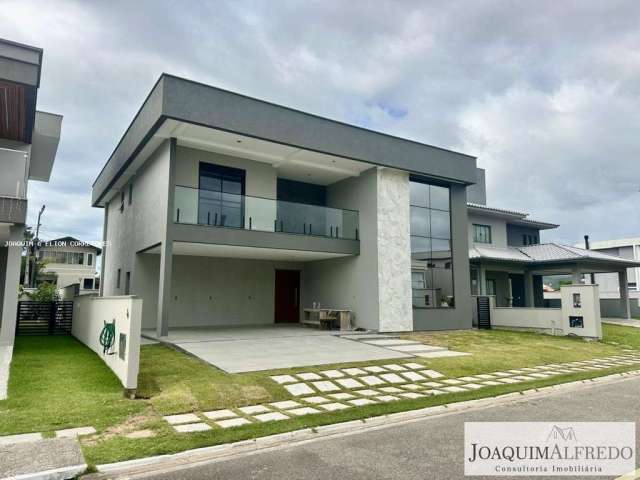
x: 324, y: 317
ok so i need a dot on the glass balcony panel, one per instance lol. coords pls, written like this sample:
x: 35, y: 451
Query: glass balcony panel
x: 206, y: 207
x: 13, y: 177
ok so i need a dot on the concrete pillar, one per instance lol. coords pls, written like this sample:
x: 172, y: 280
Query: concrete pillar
x: 528, y: 289
x: 482, y: 280
x: 164, y: 288
x: 166, y: 250
x: 576, y: 275
x: 10, y: 287
x: 104, y: 247
x: 625, y: 308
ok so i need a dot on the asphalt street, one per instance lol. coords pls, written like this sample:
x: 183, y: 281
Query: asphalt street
x: 427, y: 449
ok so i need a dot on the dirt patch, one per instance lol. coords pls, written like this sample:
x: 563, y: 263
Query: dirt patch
x: 126, y: 428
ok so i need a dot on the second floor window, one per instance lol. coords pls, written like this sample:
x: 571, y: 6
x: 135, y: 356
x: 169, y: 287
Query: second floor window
x: 52, y: 256
x: 221, y: 196
x: 481, y: 233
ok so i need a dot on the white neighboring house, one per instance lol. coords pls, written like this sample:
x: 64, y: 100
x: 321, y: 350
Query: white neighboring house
x: 609, y: 283
x: 28, y: 145
x: 71, y: 261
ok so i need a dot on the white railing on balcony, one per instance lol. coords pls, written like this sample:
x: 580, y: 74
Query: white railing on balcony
x: 13, y: 180
x: 206, y: 207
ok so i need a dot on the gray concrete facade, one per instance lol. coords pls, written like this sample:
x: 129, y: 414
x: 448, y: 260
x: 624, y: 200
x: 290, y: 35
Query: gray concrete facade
x: 192, y: 102
x: 192, y: 273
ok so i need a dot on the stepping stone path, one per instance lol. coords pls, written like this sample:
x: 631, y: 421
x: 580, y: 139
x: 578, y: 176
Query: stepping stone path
x: 356, y: 387
x: 270, y: 417
x: 192, y: 427
x: 298, y: 389
x: 219, y: 414
x: 280, y: 379
x: 326, y: 386
x: 183, y: 418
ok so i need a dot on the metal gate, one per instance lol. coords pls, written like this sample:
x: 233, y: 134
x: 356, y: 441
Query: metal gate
x: 44, y: 318
x: 484, y: 313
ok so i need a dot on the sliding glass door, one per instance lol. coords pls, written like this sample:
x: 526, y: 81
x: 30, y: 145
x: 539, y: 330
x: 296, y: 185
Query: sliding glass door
x: 221, y: 196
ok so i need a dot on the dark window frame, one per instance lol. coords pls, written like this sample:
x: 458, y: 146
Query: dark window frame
x: 430, y: 268
x: 118, y: 277
x: 222, y: 172
x: 477, y: 238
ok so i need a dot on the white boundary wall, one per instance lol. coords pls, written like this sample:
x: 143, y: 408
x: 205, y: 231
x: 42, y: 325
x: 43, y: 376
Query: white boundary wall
x: 580, y: 301
x: 89, y: 316
x: 548, y: 320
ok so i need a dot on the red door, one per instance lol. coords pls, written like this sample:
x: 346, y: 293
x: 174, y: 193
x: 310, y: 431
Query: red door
x: 287, y: 301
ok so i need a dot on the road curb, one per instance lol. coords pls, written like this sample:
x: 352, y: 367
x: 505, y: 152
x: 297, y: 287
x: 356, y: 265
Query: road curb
x: 62, y: 473
x: 165, y: 463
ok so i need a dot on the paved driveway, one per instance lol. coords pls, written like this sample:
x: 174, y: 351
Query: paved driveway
x: 248, y: 349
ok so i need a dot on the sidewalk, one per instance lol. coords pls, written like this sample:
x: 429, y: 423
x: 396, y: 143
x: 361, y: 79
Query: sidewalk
x: 52, y: 458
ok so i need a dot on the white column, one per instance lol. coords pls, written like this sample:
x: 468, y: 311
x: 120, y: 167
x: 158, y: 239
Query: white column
x: 624, y: 294
x: 166, y: 250
x: 482, y: 274
x: 11, y: 281
x: 576, y: 275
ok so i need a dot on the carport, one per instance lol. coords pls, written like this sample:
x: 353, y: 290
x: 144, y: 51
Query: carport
x: 267, y: 347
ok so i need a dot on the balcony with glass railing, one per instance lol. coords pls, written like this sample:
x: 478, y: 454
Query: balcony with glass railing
x: 13, y: 186
x: 219, y: 209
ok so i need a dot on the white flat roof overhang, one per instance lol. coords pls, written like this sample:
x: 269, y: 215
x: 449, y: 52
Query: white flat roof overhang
x: 249, y: 253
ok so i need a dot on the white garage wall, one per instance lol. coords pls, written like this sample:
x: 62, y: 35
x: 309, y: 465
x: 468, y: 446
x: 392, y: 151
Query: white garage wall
x: 89, y: 316
x: 223, y: 291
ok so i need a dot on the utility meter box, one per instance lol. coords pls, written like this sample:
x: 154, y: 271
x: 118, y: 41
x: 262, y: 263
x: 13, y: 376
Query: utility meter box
x: 581, y: 310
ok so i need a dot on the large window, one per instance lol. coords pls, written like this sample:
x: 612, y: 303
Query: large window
x: 431, y: 258
x: 481, y: 233
x: 54, y: 256
x: 221, y: 196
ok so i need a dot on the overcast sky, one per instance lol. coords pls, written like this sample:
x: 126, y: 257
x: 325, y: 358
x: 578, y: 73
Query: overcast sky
x: 545, y: 93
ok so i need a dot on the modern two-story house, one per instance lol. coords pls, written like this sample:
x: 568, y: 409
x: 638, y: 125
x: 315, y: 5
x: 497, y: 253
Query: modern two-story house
x: 28, y: 145
x: 68, y: 261
x: 220, y: 209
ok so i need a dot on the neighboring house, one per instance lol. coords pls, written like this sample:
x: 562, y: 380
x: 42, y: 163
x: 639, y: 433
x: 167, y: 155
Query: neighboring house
x: 610, y: 282
x: 28, y: 144
x: 508, y: 259
x: 70, y: 261
x: 222, y: 209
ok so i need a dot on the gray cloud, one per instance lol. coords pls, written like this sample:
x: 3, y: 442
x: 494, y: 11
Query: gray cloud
x: 546, y: 94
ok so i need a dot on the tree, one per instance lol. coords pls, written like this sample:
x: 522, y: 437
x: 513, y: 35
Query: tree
x: 46, y: 292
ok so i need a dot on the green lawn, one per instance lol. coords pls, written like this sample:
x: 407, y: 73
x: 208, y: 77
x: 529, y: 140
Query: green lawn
x: 57, y: 382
